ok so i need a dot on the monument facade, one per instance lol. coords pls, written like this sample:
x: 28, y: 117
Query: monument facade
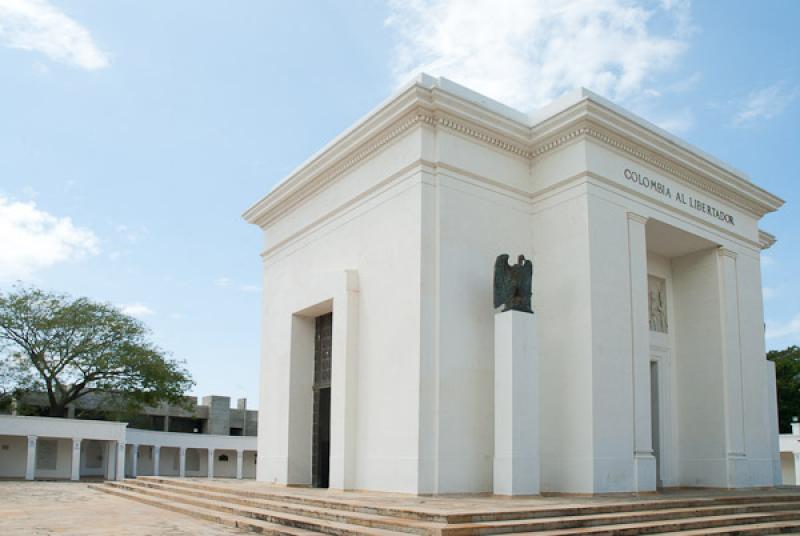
x: 646, y: 365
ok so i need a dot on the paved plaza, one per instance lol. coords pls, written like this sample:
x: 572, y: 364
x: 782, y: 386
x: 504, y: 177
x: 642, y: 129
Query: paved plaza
x: 71, y: 508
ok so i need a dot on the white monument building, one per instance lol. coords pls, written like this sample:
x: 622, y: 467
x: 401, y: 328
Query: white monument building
x: 385, y: 366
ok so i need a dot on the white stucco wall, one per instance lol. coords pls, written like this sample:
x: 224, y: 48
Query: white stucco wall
x: 13, y: 456
x: 395, y: 227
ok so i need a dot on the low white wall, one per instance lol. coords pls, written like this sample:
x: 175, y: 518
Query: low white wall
x: 94, y: 457
x: 13, y: 456
x: 63, y: 459
x: 225, y: 468
x: 787, y: 469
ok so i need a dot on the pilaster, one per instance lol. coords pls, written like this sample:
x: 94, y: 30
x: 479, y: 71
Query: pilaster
x: 134, y: 460
x: 76, y: 459
x: 735, y: 451
x: 210, y: 470
x: 119, y: 473
x: 182, y: 462
x: 30, y: 465
x: 156, y: 460
x: 343, y: 382
x: 239, y: 463
x: 644, y: 459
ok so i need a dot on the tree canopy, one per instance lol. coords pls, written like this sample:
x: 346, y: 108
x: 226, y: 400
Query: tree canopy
x: 69, y: 347
x: 787, y: 372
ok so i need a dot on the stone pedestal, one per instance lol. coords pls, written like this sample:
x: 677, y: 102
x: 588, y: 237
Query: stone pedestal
x: 516, y: 404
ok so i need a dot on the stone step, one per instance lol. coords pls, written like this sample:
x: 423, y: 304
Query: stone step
x: 329, y: 514
x: 598, y: 520
x: 244, y: 523
x: 696, y: 525
x: 278, y: 518
x: 522, y: 513
x: 754, y: 529
x: 485, y: 527
x: 756, y: 517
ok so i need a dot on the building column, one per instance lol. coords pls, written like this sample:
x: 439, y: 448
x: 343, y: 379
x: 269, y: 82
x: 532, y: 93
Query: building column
x: 76, y: 459
x: 344, y: 380
x: 643, y: 455
x: 156, y: 459
x: 210, y: 470
x: 182, y: 462
x: 239, y: 463
x: 134, y: 460
x: 797, y: 468
x: 119, y: 474
x: 732, y: 369
x: 166, y: 423
x: 30, y: 466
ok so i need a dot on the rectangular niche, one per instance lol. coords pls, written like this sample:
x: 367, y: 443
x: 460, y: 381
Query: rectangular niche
x: 657, y: 301
x: 46, y: 454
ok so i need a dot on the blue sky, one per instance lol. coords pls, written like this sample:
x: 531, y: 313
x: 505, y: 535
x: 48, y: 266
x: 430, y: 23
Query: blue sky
x: 133, y: 134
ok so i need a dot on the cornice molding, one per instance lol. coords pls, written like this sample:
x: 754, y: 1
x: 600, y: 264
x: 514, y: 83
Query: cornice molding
x: 765, y: 239
x: 435, y: 108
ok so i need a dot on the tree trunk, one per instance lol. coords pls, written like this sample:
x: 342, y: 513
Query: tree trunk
x: 57, y: 411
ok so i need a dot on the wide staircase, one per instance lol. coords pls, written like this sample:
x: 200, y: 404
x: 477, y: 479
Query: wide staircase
x: 279, y: 511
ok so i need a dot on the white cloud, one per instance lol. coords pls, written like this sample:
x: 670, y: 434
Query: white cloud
x: 527, y: 52
x: 137, y: 309
x: 767, y: 260
x: 250, y: 288
x: 768, y: 293
x: 39, y: 26
x: 31, y: 239
x: 779, y: 330
x: 223, y: 282
x: 765, y: 103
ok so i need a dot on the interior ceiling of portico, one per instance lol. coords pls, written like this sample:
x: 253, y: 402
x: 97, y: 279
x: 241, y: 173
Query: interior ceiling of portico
x: 669, y: 241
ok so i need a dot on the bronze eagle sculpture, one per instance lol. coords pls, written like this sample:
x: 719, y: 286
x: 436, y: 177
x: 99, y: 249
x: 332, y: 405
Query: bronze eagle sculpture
x: 512, y: 284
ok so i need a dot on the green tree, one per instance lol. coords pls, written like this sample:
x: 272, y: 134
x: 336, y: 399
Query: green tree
x: 69, y: 347
x: 787, y: 373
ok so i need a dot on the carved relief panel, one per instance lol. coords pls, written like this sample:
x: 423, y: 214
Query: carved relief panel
x: 657, y: 298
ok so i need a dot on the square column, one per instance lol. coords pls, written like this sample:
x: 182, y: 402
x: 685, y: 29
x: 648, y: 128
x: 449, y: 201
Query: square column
x: 344, y: 379
x: 516, y: 404
x: 119, y: 473
x: 134, y: 460
x: 182, y: 462
x: 156, y: 459
x: 210, y: 470
x: 797, y: 468
x: 30, y: 465
x: 76, y: 459
x: 239, y: 463
x: 732, y: 369
x: 643, y: 455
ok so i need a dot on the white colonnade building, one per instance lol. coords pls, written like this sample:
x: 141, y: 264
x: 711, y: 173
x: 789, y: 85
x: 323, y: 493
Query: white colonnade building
x: 378, y: 353
x: 790, y: 455
x: 55, y: 448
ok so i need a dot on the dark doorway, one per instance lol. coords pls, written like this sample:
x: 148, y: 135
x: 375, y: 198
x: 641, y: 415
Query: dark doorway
x: 321, y: 438
x: 655, y: 419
